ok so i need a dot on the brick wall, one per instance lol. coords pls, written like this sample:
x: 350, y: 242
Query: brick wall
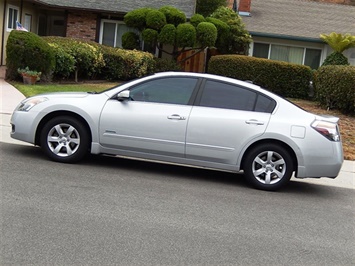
x: 81, y: 25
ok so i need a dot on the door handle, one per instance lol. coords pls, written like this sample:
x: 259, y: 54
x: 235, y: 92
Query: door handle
x: 176, y: 117
x: 254, y: 122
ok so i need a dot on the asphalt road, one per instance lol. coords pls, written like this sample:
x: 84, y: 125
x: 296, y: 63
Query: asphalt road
x: 112, y: 211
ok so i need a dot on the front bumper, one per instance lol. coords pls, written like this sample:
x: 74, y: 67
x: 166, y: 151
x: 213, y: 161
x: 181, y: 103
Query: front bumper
x: 23, y: 126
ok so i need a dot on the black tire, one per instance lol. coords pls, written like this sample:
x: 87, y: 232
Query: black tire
x: 64, y: 139
x: 268, y: 167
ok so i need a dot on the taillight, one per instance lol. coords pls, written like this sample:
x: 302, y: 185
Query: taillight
x: 327, y: 129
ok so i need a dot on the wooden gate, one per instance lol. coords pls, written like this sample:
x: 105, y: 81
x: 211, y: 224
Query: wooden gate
x: 195, y: 63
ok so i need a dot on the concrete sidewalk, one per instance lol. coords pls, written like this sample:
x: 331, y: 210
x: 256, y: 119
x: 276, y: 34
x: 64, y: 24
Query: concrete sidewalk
x: 10, y: 97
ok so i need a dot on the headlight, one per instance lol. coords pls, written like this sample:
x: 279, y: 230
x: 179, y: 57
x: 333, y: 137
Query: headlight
x: 27, y: 104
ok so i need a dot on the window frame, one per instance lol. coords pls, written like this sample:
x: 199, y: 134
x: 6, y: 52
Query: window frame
x: 192, y: 96
x: 117, y: 23
x: 291, y: 46
x: 13, y: 26
x: 257, y: 93
x: 28, y: 22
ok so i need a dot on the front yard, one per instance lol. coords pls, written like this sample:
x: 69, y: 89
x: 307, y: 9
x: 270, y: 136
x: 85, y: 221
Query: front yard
x: 347, y: 123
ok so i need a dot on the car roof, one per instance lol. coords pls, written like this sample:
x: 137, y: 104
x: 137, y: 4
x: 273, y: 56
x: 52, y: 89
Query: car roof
x: 205, y: 75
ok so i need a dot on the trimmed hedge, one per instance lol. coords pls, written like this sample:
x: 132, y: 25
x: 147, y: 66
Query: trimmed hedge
x: 92, y: 60
x: 26, y: 49
x: 88, y: 57
x: 285, y: 79
x: 335, y: 87
x: 126, y: 64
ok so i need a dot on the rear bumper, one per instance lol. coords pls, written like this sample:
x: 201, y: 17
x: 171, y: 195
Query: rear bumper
x: 328, y: 165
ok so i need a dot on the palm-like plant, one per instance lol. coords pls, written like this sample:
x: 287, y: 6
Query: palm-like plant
x: 339, y: 43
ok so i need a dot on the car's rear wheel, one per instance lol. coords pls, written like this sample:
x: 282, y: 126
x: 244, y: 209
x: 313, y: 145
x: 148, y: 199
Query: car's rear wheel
x: 64, y: 139
x: 268, y: 166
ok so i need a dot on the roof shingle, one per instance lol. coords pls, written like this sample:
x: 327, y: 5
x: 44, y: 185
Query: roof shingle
x: 299, y: 18
x: 187, y: 6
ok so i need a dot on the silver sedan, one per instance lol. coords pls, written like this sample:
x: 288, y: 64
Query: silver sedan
x: 192, y: 119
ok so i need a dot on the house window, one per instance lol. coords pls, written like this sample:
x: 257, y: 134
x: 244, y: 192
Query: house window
x: 12, y: 17
x: 312, y: 58
x: 28, y: 22
x: 112, y: 31
x: 261, y: 50
x: 290, y: 54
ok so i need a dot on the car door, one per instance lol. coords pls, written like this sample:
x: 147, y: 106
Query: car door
x: 225, y: 119
x: 153, y: 120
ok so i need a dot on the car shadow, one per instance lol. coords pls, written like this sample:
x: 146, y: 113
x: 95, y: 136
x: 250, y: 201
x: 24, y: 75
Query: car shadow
x: 154, y: 169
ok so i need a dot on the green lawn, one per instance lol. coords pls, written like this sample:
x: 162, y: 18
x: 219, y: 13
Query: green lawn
x: 30, y: 90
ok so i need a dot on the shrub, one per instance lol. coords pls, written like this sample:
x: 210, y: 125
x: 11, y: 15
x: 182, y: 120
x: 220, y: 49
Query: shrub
x: 130, y: 41
x: 65, y: 62
x: 150, y: 36
x: 197, y: 19
x: 126, y: 64
x: 186, y: 35
x: 26, y: 49
x: 287, y: 80
x: 223, y: 36
x: 168, y: 34
x: 163, y: 65
x: 336, y: 58
x: 155, y: 20
x: 87, y: 56
x: 136, y: 18
x: 206, y: 34
x: 335, y: 87
x: 173, y: 15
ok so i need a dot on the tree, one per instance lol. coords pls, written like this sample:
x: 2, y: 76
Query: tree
x: 237, y: 39
x: 339, y: 43
x: 168, y: 25
x: 207, y: 7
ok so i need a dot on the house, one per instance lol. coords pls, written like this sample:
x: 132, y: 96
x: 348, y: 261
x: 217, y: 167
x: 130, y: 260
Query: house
x: 288, y: 30
x: 100, y: 21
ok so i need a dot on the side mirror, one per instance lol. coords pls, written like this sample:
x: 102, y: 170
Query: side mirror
x: 123, y: 95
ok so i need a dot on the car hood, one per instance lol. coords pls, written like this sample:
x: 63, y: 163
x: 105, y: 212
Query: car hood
x: 64, y: 95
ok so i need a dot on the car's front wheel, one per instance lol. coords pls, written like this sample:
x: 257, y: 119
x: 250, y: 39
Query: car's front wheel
x: 268, y: 166
x: 64, y: 139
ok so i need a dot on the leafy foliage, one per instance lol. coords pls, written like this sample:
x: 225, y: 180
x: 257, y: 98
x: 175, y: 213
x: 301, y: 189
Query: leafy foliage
x: 26, y: 49
x: 168, y: 34
x: 335, y: 87
x: 65, y: 62
x: 207, y: 7
x: 336, y: 58
x: 173, y: 15
x: 164, y: 64
x: 155, y: 19
x: 195, y: 35
x: 206, y: 33
x: 238, y: 39
x: 197, y: 19
x: 285, y: 79
x: 88, y: 57
x: 185, y: 35
x: 126, y: 64
x: 150, y: 36
x: 339, y: 42
x: 137, y: 18
x: 130, y: 41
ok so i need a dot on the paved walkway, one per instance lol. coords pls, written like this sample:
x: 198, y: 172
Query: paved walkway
x: 10, y: 98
